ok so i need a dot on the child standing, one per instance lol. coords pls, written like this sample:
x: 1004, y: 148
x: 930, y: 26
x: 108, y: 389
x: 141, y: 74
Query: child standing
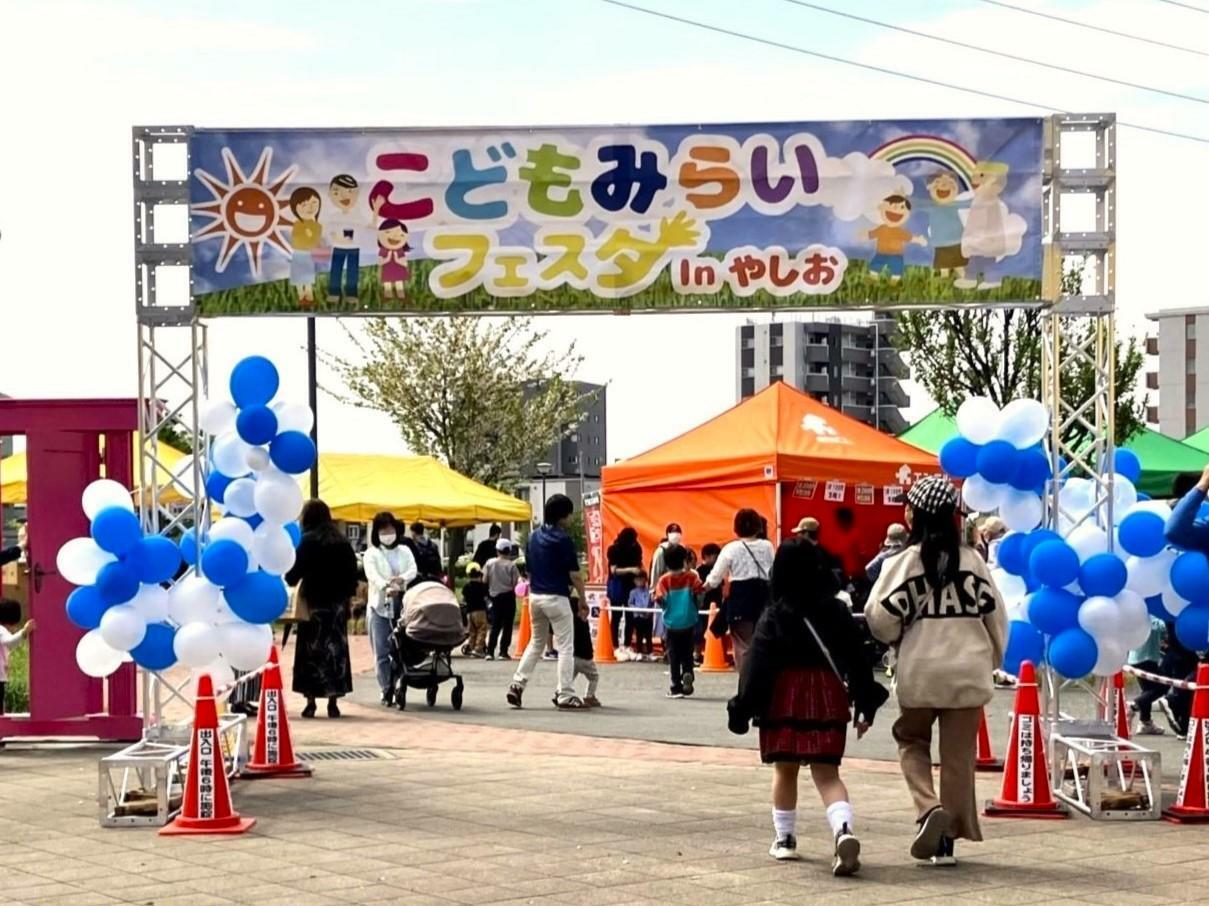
x: 643, y: 623
x: 474, y: 597
x: 585, y: 665
x: 677, y: 594
x: 10, y: 616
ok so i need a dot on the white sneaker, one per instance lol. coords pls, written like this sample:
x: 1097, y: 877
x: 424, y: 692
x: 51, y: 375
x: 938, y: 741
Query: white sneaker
x: 990, y: 284
x: 847, y: 854
x: 964, y: 283
x: 785, y: 849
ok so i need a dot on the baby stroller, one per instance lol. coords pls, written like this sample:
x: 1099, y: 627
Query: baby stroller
x: 426, y: 633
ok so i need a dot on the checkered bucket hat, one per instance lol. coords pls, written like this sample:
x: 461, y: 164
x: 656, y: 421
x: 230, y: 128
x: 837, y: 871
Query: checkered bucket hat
x: 932, y: 493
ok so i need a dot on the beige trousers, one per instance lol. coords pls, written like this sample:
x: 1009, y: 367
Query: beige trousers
x: 958, y: 749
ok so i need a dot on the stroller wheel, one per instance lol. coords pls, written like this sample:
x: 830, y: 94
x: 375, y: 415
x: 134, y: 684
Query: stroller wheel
x: 455, y: 697
x: 431, y: 696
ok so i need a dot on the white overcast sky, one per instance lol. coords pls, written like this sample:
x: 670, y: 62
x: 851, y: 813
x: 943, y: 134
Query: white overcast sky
x: 78, y: 75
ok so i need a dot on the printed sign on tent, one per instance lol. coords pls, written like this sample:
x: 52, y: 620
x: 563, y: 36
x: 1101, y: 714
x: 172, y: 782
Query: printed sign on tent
x: 805, y: 489
x: 834, y: 491
x: 892, y: 495
x: 638, y: 218
x: 866, y: 494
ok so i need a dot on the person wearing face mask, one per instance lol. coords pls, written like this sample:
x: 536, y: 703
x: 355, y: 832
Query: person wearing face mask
x: 672, y: 535
x: 389, y: 567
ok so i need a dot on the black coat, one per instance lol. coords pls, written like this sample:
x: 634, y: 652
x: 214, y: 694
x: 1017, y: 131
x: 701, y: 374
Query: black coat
x: 327, y: 567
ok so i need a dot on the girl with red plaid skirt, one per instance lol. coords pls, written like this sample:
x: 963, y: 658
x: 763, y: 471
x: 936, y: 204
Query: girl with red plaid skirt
x: 804, y: 680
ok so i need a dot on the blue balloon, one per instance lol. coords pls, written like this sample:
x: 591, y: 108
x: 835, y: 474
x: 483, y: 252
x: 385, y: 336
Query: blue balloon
x: 1192, y: 627
x: 1141, y: 534
x: 1073, y: 653
x: 224, y: 562
x: 959, y: 457
x: 1127, y: 465
x: 258, y: 597
x: 85, y: 607
x: 1103, y: 574
x: 1032, y: 470
x: 295, y: 532
x: 256, y: 425
x: 254, y: 520
x: 1190, y: 577
x: 155, y: 651
x: 293, y: 452
x: 1154, y: 605
x: 155, y: 559
x: 1054, y: 610
x: 1036, y: 538
x: 1054, y: 563
x: 1142, y: 496
x: 1012, y: 557
x: 188, y: 547
x: 254, y: 382
x: 997, y: 461
x: 1025, y: 643
x: 216, y: 486
x: 117, y: 583
x: 116, y: 530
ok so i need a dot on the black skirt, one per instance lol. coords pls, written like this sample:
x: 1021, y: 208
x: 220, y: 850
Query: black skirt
x: 322, y: 668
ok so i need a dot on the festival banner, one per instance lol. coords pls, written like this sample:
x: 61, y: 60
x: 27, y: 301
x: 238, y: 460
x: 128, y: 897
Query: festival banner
x: 639, y: 218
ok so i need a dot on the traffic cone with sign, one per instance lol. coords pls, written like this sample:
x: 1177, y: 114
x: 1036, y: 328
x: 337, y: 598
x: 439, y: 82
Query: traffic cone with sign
x: 526, y: 628
x: 273, y: 753
x: 206, y: 808
x: 985, y: 759
x: 1192, y: 803
x: 1118, y: 710
x: 715, y: 652
x: 1026, y: 791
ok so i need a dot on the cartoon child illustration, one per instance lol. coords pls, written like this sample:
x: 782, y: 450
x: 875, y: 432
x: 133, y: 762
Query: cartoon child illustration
x: 392, y: 258
x: 345, y: 228
x: 991, y: 233
x: 304, y: 238
x: 892, y: 237
x: 944, y: 223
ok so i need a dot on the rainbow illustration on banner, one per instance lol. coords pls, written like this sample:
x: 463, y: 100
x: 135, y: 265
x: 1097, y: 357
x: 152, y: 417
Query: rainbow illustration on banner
x: 930, y: 149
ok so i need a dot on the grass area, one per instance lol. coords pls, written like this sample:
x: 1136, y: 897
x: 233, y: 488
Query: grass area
x: 16, y: 694
x: 920, y: 285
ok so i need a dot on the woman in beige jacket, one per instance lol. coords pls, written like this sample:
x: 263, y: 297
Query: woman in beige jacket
x: 937, y: 605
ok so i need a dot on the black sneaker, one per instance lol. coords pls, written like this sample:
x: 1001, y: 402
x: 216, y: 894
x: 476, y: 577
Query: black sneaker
x: 944, y: 853
x: 514, y: 695
x: 687, y: 682
x: 785, y: 849
x: 847, y: 859
x: 933, y: 826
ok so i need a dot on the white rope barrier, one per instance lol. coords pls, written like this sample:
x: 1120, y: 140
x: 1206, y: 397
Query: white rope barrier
x: 1190, y: 685
x: 246, y: 678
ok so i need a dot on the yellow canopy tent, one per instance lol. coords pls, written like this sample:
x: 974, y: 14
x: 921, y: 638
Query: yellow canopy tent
x: 414, y: 488
x: 13, y: 474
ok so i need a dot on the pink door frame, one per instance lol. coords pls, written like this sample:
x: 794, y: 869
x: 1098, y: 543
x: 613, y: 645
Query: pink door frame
x: 62, y: 457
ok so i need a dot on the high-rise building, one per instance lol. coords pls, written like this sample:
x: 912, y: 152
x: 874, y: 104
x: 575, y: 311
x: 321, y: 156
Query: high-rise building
x: 853, y: 367
x: 572, y: 465
x: 1179, y: 370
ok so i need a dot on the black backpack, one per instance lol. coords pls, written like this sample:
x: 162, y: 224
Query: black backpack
x: 428, y: 559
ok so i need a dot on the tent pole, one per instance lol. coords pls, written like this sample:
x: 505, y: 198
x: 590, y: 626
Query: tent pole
x: 777, y: 490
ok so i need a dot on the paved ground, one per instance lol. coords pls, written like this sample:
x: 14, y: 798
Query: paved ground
x: 474, y: 811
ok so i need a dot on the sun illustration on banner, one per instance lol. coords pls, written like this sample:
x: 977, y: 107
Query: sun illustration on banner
x: 245, y: 211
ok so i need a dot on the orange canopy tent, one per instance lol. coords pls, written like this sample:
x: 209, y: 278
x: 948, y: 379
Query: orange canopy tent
x: 780, y: 452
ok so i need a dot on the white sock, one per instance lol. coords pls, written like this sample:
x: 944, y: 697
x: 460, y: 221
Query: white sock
x: 784, y: 822
x: 839, y: 814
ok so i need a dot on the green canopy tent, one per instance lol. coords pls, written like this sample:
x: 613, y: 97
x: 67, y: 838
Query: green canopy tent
x: 1200, y: 440
x: 1163, y: 458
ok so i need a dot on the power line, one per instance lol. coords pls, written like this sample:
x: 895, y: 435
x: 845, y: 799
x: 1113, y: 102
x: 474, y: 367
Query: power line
x: 1198, y: 9
x: 1099, y: 28
x: 997, y: 53
x: 768, y: 42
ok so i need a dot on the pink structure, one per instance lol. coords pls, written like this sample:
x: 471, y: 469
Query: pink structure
x: 63, y: 453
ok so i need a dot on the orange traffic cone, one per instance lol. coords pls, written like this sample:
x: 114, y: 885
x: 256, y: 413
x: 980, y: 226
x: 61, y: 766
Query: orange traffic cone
x: 273, y: 755
x: 1026, y: 790
x: 715, y: 653
x: 985, y: 760
x: 1192, y: 803
x: 526, y: 628
x: 603, y: 652
x: 207, y: 805
x: 1118, y: 710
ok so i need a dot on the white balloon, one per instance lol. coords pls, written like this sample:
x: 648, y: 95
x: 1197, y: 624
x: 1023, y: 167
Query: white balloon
x: 278, y: 500
x: 230, y: 454
x: 273, y: 548
x: 80, y: 559
x: 231, y: 528
x: 978, y: 420
x: 1021, y: 511
x: 224, y: 614
x: 104, y: 493
x: 1172, y: 602
x: 1159, y: 507
x: 1135, y: 619
x: 1023, y: 423
x: 980, y: 495
x: 122, y: 628
x: 95, y: 658
x: 293, y: 416
x: 1124, y: 495
x: 258, y: 459
x: 1150, y: 575
x: 151, y: 602
x: 1017, y: 611
x: 1100, y: 618
x: 238, y: 498
x: 245, y: 646
x: 220, y: 673
x: 217, y: 416
x: 1111, y: 657
x: 1011, y: 588
x: 193, y: 600
x: 1088, y: 539
x: 1075, y: 498
x: 196, y: 644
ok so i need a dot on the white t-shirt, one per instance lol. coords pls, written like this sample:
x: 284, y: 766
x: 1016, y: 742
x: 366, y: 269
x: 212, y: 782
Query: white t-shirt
x: 344, y: 229
x: 742, y: 560
x: 8, y: 640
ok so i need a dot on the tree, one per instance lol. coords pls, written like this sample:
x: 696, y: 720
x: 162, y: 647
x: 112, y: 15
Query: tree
x: 481, y: 396
x: 959, y: 353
